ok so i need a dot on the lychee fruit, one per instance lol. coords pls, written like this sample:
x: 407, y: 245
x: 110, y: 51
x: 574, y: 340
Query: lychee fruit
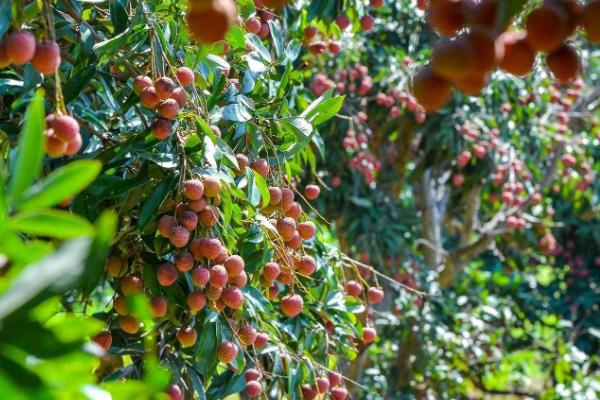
x: 375, y: 295
x: 233, y: 297
x: 158, y: 306
x: 218, y: 276
x: 166, y: 274
x: 129, y: 324
x: 227, y: 352
x: 185, y: 76
x: 193, y: 189
x: 131, y: 285
x: 291, y: 305
x: 196, y: 301
x: 187, y: 336
x: 234, y: 265
x: 46, y: 58
x: 20, y: 47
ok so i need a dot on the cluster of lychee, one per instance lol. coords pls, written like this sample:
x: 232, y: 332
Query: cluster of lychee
x: 367, y: 22
x: 259, y: 24
x: 318, y: 46
x: 466, y: 60
x: 165, y: 97
x: 20, y: 47
x: 62, y: 135
x: 331, y: 383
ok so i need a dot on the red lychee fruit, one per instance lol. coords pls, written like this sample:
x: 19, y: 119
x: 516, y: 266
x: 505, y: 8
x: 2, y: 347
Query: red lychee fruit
x: 227, y: 352
x: 291, y: 305
x: 168, y: 108
x: 196, y: 301
x: 339, y: 393
x: 174, y: 392
x: 164, y: 87
x: 335, y: 378
x: 307, y: 265
x: 165, y: 223
x: 120, y: 305
x: 184, y: 261
x: 166, y: 274
x: 200, y: 276
x: 116, y: 266
x: 375, y: 295
x: 234, y: 265
x: 311, y: 192
x: 159, y: 306
x: 233, y: 297
x: 261, y: 166
x: 271, y: 271
x: 369, y: 335
x: 308, y: 392
x: 208, y: 248
x: 218, y: 276
x: 307, y: 230
x: 253, y: 388
x: 46, y: 58
x: 161, y: 128
x: 179, y: 236
x: 212, y: 186
x: 286, y: 228
x: 131, y: 285
x: 322, y: 385
x: 187, y: 336
x: 141, y: 82
x: 20, y: 47
x: 209, y: 216
x: 189, y: 220
x: 185, y: 76
x: 148, y: 97
x: 353, y: 288
x: 129, y: 324
x: 247, y: 334
x: 261, y: 340
x: 193, y: 189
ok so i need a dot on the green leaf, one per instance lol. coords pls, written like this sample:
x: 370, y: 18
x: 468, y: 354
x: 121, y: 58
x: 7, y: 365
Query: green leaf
x: 253, y: 195
x: 61, y: 184
x: 56, y: 271
x: 52, y: 223
x: 325, y: 110
x: 154, y: 200
x: 30, y: 150
x: 508, y: 9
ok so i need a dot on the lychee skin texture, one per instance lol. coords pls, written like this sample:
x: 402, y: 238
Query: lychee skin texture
x: 564, y: 63
x: 161, y: 128
x: 208, y: 248
x: 200, y: 276
x: 261, y: 166
x: 537, y: 24
x: 212, y: 186
x: 131, y: 285
x: 185, y: 76
x: 518, y: 58
x: 209, y: 216
x: 141, y: 82
x: 148, y: 97
x: 168, y: 108
x: 271, y: 271
x: 247, y: 334
x: 307, y: 265
x: 184, y: 261
x: 46, y: 58
x: 233, y: 297
x: 166, y: 274
x: 431, y: 91
x: 375, y: 295
x: 369, y: 335
x: 164, y: 87
x: 234, y: 265
x: 322, y: 385
x: 218, y: 276
x: 353, y: 288
x: 189, y: 220
x: 129, y: 324
x: 287, y: 198
x: 307, y: 230
x: 291, y: 305
x: 165, y: 223
x: 20, y: 47
x: 159, y: 306
x: 196, y: 301
x: 180, y: 97
x: 227, y: 352
x: 179, y: 236
x: 294, y: 211
x: 193, y: 189
x: 65, y: 127
x: 187, y: 336
x: 120, y: 305
x: 253, y: 389
x: 252, y: 375
x: 335, y: 378
x: 286, y: 228
x: 239, y: 281
x: 311, y: 192
x: 339, y: 393
x: 261, y: 340
x: 274, y: 195
x: 55, y: 147
x: 197, y: 205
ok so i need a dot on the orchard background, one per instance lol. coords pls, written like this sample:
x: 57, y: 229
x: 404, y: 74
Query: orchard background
x: 295, y: 200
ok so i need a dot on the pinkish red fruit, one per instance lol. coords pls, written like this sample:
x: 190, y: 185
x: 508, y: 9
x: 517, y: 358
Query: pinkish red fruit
x: 168, y: 108
x: 247, y: 334
x: 375, y: 295
x: 212, y: 186
x: 46, y: 58
x: 233, y: 297
x: 271, y: 271
x: 20, y: 47
x: 161, y: 128
x: 179, y: 236
x: 104, y: 340
x: 335, y: 378
x: 261, y: 340
x: 141, y: 82
x: 234, y: 265
x: 185, y: 76
x: 159, y: 306
x: 196, y: 301
x: 253, y: 389
x: 369, y: 335
x: 227, y: 352
x: 339, y: 393
x: 307, y: 230
x: 291, y: 305
x: 174, y: 392
x: 131, y: 285
x: 322, y: 385
x: 209, y: 248
x: 218, y: 276
x: 307, y: 265
x: 187, y: 336
x: 200, y: 276
x: 353, y: 288
x: 184, y: 261
x: 164, y: 87
x: 166, y: 274
x: 286, y: 228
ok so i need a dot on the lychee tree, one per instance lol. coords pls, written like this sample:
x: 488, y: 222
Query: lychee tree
x: 461, y: 204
